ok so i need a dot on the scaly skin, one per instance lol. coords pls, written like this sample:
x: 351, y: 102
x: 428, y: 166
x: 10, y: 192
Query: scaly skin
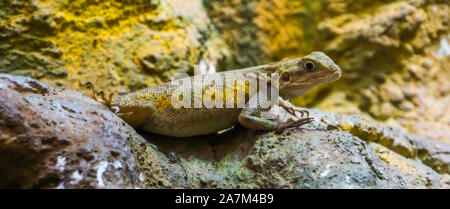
x: 151, y: 109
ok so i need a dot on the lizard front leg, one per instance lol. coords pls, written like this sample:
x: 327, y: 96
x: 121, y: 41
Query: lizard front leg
x: 250, y: 117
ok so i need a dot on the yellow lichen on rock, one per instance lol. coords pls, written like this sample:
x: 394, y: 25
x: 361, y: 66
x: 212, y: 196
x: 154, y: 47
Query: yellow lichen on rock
x: 420, y: 174
x: 282, y: 30
x: 124, y: 42
x: 121, y: 45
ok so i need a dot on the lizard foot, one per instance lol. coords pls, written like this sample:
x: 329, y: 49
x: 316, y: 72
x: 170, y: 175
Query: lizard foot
x: 296, y: 123
x: 292, y: 109
x: 103, y: 100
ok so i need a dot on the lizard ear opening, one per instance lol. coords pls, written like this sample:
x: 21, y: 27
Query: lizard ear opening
x: 285, y: 77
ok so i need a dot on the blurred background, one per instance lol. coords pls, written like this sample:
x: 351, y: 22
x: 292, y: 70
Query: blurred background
x: 394, y: 54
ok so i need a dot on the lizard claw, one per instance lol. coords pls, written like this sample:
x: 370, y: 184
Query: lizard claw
x: 306, y: 112
x: 101, y: 94
x: 89, y: 85
x: 110, y: 97
x: 290, y: 110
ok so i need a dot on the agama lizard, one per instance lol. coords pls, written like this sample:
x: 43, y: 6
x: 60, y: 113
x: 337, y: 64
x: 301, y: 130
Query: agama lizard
x: 152, y: 110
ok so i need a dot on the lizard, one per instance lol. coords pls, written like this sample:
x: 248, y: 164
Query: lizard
x: 152, y: 110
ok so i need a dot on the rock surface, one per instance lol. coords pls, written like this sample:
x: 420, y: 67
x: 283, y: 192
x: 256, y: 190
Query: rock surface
x: 52, y: 137
x: 58, y: 138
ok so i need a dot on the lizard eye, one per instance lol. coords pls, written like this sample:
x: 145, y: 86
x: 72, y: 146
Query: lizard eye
x: 285, y: 77
x: 309, y: 66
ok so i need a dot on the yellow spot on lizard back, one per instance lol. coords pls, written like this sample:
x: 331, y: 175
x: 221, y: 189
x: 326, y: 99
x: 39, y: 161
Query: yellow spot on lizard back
x: 162, y: 102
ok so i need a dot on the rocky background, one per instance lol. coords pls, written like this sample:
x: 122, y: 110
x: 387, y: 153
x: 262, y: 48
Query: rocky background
x: 386, y: 125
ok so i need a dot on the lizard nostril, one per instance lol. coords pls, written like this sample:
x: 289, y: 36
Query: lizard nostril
x: 336, y: 68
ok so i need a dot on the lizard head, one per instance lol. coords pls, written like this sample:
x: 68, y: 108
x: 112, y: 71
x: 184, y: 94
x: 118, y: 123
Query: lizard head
x: 298, y: 76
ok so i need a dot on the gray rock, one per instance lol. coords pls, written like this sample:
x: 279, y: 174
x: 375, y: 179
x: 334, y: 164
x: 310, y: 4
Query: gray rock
x: 58, y: 138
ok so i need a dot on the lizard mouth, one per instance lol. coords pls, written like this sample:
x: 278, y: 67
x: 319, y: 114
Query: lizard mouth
x: 335, y: 76
x: 327, y: 78
x: 301, y: 87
